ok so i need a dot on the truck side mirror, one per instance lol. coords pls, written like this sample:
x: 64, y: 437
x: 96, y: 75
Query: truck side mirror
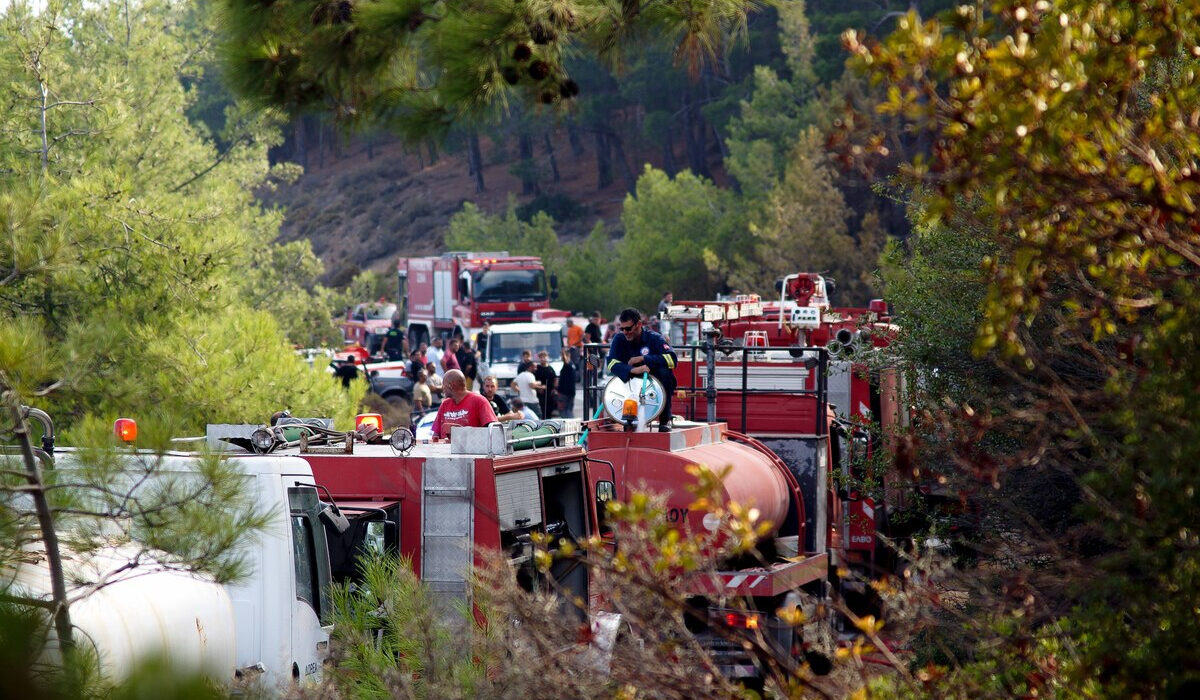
x: 605, y: 492
x: 553, y: 294
x: 464, y: 289
x: 553, y: 281
x: 332, y: 516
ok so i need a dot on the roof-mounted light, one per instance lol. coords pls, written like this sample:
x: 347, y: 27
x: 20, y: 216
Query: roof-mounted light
x: 262, y: 440
x: 125, y: 429
x: 373, y: 420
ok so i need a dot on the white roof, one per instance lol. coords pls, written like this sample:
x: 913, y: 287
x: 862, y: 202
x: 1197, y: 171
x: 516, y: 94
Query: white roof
x: 502, y: 328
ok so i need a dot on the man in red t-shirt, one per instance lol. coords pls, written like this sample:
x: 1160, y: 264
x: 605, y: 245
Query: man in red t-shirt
x: 461, y: 406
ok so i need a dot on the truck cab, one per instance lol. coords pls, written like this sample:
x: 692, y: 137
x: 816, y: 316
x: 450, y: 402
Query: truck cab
x: 505, y: 343
x: 455, y: 293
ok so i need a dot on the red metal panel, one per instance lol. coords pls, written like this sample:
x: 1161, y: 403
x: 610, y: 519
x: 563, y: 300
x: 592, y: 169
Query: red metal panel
x: 369, y: 478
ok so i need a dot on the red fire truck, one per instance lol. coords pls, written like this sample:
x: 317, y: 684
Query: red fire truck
x: 455, y: 293
x: 763, y: 381
x: 794, y: 394
x: 444, y: 505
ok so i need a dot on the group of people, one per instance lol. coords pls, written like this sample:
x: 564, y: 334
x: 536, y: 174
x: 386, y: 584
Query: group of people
x: 542, y: 393
x: 430, y: 364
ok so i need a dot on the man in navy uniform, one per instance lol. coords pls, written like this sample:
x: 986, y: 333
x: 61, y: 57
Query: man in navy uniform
x: 636, y: 350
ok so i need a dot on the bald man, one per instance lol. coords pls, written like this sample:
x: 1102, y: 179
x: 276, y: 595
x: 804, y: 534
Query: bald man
x: 461, y: 406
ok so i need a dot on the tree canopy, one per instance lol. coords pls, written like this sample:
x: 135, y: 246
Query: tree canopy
x: 133, y: 249
x: 1062, y: 159
x: 419, y: 66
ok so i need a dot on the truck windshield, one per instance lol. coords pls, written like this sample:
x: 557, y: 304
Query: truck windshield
x: 507, y: 347
x: 510, y: 285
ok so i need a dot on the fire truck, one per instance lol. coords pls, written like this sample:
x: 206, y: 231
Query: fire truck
x: 762, y: 381
x: 364, y: 327
x: 782, y: 396
x: 445, y: 505
x: 455, y: 293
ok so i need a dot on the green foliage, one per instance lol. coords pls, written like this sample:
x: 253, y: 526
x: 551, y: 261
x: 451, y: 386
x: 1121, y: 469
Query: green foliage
x: 671, y: 227
x: 1062, y: 169
x: 585, y: 276
x: 765, y: 131
x: 473, y: 229
x: 559, y: 207
x: 804, y: 227
x: 135, y: 238
x: 391, y: 637
x: 422, y: 67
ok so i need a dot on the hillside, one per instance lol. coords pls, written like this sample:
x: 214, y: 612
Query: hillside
x: 362, y: 207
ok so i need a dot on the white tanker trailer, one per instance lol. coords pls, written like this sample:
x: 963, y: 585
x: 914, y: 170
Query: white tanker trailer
x: 267, y: 626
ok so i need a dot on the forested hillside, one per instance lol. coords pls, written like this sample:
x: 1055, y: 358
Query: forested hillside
x: 1019, y: 179
x: 756, y: 124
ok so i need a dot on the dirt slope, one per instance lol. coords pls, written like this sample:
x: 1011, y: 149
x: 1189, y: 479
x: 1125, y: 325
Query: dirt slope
x: 362, y: 211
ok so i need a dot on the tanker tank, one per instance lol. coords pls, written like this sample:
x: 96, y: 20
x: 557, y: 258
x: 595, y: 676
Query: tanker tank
x: 145, y: 613
x: 657, y: 463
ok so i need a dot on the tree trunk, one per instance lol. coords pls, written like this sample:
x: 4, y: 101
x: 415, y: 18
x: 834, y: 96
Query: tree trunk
x: 320, y: 145
x: 619, y: 153
x: 37, y: 491
x: 669, y: 164
x: 300, y: 146
x: 527, y: 165
x: 475, y: 160
x: 433, y: 150
x: 575, y: 138
x: 604, y: 174
x: 550, y: 155
x: 695, y: 130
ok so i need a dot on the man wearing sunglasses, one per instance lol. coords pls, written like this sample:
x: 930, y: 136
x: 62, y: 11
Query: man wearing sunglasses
x: 636, y: 350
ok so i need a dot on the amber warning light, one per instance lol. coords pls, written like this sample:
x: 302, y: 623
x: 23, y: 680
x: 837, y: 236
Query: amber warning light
x: 125, y: 429
x: 372, y: 419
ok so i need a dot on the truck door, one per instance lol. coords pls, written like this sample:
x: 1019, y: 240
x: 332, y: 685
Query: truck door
x: 309, y: 605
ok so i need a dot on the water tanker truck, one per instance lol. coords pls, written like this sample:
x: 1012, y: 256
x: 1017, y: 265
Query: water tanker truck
x: 127, y: 606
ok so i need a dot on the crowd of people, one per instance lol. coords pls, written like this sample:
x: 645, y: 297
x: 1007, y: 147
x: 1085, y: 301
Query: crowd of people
x: 452, y: 376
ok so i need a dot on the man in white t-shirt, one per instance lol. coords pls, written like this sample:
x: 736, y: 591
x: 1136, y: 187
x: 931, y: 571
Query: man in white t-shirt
x: 434, y: 355
x: 526, y: 386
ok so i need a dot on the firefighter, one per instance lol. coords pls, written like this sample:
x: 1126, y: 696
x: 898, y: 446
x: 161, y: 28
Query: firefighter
x: 635, y: 351
x: 395, y: 342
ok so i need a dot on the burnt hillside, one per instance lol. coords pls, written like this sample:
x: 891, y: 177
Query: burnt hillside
x: 363, y: 202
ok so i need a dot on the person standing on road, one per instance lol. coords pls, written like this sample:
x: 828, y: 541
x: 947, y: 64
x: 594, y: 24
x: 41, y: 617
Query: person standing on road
x: 665, y: 303
x: 394, y: 342
x: 547, y: 377
x: 434, y: 355
x: 422, y: 395
x: 566, y: 386
x: 466, y: 362
x: 450, y: 357
x: 636, y: 351
x: 461, y: 407
x: 592, y: 332
x: 435, y: 381
x: 526, y: 361
x: 593, y: 335
x: 574, y: 343
x: 526, y: 386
